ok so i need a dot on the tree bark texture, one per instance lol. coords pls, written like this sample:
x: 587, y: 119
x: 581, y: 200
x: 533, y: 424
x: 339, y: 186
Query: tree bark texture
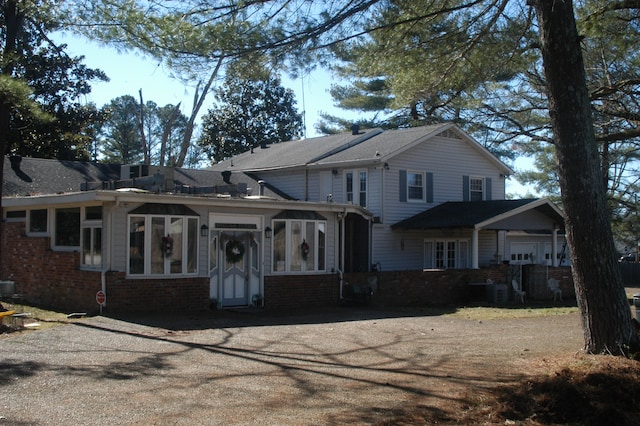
x: 606, y: 316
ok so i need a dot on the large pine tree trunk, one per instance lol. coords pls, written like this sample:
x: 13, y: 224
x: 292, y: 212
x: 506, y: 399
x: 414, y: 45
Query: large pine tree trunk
x: 606, y: 316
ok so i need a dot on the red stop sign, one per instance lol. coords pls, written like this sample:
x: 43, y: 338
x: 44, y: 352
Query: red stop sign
x: 101, y: 297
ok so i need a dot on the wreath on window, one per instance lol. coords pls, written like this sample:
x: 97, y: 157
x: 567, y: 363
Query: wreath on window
x: 304, y: 249
x: 234, y: 251
x: 167, y: 245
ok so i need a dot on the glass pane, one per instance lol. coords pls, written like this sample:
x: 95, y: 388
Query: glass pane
x: 136, y: 245
x: 87, y: 254
x: 160, y: 246
x: 363, y: 189
x: 349, y: 188
x: 213, y: 253
x: 321, y: 247
x: 254, y: 255
x: 192, y: 245
x: 296, y: 242
x: 38, y: 220
x: 97, y: 246
x: 279, y: 245
x: 310, y: 239
x: 177, y: 256
x: 68, y: 227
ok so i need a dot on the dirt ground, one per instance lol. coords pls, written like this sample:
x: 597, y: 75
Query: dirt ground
x: 333, y: 367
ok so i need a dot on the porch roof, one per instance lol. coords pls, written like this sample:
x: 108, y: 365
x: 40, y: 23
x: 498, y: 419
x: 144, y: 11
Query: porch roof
x: 478, y: 214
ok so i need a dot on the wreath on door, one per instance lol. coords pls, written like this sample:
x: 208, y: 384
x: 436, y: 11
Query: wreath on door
x: 304, y: 249
x: 234, y: 251
x: 167, y: 245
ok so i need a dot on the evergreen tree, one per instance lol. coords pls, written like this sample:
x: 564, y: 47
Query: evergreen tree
x: 250, y: 111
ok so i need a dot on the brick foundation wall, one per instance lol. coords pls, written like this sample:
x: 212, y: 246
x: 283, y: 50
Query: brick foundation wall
x: 45, y: 277
x: 146, y: 295
x: 54, y: 279
x: 296, y: 291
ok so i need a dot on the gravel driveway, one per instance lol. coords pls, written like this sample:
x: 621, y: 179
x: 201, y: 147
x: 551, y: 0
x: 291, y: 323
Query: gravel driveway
x: 335, y: 367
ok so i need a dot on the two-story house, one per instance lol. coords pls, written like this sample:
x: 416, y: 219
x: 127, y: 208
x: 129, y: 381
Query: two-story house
x: 274, y: 226
x: 436, y: 198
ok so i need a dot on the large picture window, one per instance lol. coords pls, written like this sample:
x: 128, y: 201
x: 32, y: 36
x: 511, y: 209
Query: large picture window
x: 163, y: 245
x: 299, y: 245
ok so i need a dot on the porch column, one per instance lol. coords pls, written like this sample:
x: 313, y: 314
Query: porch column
x: 474, y: 249
x: 554, y: 247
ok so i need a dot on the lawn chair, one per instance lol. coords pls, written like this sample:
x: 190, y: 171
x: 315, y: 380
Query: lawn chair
x: 554, y: 287
x: 519, y: 294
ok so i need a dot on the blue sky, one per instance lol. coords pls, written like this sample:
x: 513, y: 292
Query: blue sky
x: 130, y: 72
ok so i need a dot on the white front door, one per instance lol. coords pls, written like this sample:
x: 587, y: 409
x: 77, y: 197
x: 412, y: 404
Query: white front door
x: 235, y: 276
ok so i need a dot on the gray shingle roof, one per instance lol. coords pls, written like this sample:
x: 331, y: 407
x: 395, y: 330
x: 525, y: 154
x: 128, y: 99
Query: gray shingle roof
x: 466, y: 214
x: 292, y: 153
x: 37, y: 176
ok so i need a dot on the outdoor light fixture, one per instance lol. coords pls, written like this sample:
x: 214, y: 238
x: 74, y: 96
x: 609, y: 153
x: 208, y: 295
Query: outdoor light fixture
x: 268, y: 232
x: 204, y: 231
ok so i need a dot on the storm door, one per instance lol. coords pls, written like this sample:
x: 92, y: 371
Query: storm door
x: 236, y: 252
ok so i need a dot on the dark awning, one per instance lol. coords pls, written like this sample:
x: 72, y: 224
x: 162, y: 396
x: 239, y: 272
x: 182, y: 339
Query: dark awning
x: 468, y: 214
x: 299, y: 215
x: 164, y: 209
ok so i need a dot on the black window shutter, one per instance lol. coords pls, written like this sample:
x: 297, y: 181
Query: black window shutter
x: 487, y: 194
x: 429, y: 187
x: 403, y: 186
x: 465, y: 188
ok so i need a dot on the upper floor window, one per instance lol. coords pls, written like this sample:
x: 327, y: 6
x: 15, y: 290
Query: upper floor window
x: 356, y: 187
x: 476, y: 189
x: 415, y: 186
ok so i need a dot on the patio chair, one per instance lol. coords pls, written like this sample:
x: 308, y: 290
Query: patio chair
x: 519, y: 294
x: 554, y: 287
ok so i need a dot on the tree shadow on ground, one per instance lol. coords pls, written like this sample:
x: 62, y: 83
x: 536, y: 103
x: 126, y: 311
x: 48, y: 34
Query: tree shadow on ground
x: 254, y: 317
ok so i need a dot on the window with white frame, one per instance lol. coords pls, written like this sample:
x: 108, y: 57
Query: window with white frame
x: 67, y: 227
x: 446, y: 254
x: 162, y: 245
x: 356, y: 187
x: 476, y: 189
x: 299, y: 245
x: 415, y: 186
x: 92, y: 237
x: 38, y: 221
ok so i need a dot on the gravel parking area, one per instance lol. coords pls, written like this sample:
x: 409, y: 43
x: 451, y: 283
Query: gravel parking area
x: 338, y: 366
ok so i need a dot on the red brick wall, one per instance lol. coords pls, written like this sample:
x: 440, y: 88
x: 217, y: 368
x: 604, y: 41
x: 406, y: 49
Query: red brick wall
x: 295, y: 291
x: 54, y: 279
x: 45, y: 277
x: 138, y: 295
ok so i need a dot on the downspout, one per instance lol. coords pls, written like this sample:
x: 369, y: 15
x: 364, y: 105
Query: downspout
x: 106, y: 266
x: 341, y: 239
